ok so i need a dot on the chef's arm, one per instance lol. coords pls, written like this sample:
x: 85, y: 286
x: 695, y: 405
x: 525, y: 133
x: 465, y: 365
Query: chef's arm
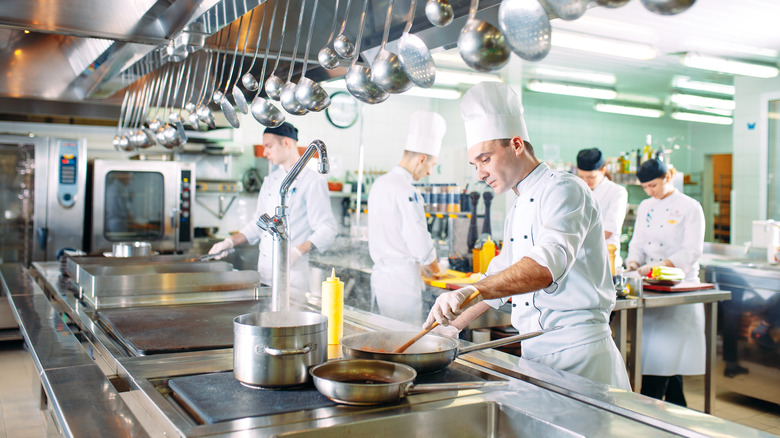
x: 607, y: 235
x: 524, y: 276
x: 433, y: 268
x: 304, y: 247
x: 469, y: 315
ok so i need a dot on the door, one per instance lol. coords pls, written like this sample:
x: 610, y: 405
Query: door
x: 721, y: 191
x: 17, y: 189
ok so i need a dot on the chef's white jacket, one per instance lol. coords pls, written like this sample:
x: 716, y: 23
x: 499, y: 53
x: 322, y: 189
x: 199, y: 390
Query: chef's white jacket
x: 399, y: 244
x: 612, y: 199
x: 672, y: 337
x: 310, y: 218
x: 555, y: 222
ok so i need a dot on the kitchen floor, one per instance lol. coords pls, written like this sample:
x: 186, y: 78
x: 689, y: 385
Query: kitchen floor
x: 20, y: 416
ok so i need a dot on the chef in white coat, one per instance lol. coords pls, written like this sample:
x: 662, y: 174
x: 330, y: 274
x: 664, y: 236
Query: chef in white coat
x: 311, y: 221
x: 669, y: 231
x: 611, y: 198
x: 553, y: 264
x: 398, y: 239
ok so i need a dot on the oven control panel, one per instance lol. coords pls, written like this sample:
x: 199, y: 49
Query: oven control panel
x: 185, y: 206
x: 67, y: 172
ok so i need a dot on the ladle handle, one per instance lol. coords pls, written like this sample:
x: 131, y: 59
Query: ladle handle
x: 411, y: 17
x: 360, y: 33
x: 504, y: 341
x: 388, y: 20
x: 417, y: 337
x: 473, y: 8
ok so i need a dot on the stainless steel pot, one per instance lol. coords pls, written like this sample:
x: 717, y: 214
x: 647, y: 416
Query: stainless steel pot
x: 276, y: 349
x: 132, y: 249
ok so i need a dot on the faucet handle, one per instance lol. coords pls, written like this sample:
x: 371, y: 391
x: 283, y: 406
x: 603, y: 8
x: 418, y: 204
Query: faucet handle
x: 265, y: 222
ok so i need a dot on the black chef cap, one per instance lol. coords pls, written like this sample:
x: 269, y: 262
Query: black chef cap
x: 590, y: 159
x: 286, y: 129
x: 651, y: 169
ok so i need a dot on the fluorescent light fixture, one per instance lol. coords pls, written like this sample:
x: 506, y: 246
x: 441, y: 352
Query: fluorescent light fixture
x: 628, y: 110
x: 686, y: 83
x: 720, y: 46
x: 723, y: 65
x: 639, y: 99
x: 434, y: 93
x: 707, y: 102
x: 604, y: 46
x: 576, y: 75
x: 570, y: 89
x: 701, y: 109
x: 702, y: 118
x: 453, y: 77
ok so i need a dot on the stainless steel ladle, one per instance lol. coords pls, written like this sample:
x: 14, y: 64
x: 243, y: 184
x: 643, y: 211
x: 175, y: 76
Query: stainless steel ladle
x: 247, y: 80
x: 309, y: 93
x: 481, y: 45
x: 387, y: 71
x: 568, y: 9
x: 358, y: 77
x: 224, y: 103
x: 262, y: 110
x: 415, y: 57
x: 274, y: 84
x: 326, y: 56
x: 526, y: 28
x: 238, y: 95
x: 667, y: 7
x: 439, y: 12
x: 287, y: 97
x: 343, y: 46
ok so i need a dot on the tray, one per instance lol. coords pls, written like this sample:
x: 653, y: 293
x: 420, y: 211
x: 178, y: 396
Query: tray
x: 684, y: 286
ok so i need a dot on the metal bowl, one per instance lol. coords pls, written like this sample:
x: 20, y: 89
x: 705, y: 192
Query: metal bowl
x: 132, y: 249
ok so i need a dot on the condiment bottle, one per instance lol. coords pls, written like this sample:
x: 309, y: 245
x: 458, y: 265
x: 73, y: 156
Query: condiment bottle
x: 486, y: 254
x: 333, y: 307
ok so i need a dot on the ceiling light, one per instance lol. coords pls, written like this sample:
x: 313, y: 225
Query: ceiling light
x: 453, y: 77
x: 570, y: 89
x: 687, y: 83
x: 701, y: 109
x: 720, y: 46
x: 703, y: 118
x: 576, y: 75
x: 434, y: 93
x: 707, y: 102
x: 639, y: 99
x: 604, y: 46
x: 628, y: 110
x: 728, y: 65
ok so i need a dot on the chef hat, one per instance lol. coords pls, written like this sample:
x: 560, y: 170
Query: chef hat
x: 492, y: 111
x: 286, y: 129
x: 590, y: 159
x: 426, y: 131
x: 650, y: 170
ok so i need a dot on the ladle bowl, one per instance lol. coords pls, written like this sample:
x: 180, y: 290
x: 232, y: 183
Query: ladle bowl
x: 207, y: 117
x: 439, y: 12
x: 238, y: 97
x: 344, y: 46
x: 568, y: 9
x: 266, y: 113
x: 526, y: 28
x: 482, y: 46
x: 311, y: 95
x: 217, y: 97
x: 289, y: 102
x: 612, y: 3
x: 667, y: 7
x: 388, y: 73
x: 229, y: 112
x: 273, y: 87
x: 249, y: 82
x: 328, y: 58
x: 359, y: 84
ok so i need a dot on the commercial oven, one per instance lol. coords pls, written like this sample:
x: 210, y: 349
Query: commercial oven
x: 141, y: 200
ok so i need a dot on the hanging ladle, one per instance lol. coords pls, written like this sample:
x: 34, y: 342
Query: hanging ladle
x: 274, y: 84
x: 289, y: 102
x: 568, y: 9
x: 343, y: 46
x: 439, y: 12
x: 190, y: 106
x: 526, y: 28
x: 358, y: 77
x: 415, y: 57
x: 238, y: 95
x: 481, y: 45
x: 202, y: 110
x: 247, y: 80
x: 326, y: 56
x: 217, y: 95
x: 121, y: 141
x: 307, y: 92
x: 387, y: 71
x: 224, y: 103
x: 262, y: 110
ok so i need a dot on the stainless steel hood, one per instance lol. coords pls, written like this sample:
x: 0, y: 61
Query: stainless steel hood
x: 69, y: 58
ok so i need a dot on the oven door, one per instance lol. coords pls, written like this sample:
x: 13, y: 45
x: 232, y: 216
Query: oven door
x: 146, y: 201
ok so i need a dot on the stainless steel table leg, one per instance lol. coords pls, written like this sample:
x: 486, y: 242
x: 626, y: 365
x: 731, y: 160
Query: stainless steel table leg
x: 621, y: 322
x: 635, y: 356
x: 710, y: 327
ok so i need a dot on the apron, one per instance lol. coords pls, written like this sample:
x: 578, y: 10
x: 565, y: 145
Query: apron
x: 398, y: 292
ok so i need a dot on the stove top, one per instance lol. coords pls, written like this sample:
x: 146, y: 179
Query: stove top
x: 216, y: 397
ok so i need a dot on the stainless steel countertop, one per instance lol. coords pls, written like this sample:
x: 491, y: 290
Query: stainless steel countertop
x: 538, y: 400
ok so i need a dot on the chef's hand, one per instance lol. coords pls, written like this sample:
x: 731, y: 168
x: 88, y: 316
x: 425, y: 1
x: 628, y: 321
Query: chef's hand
x: 449, y: 331
x: 448, y: 306
x: 295, y: 255
x: 222, y: 248
x: 645, y: 269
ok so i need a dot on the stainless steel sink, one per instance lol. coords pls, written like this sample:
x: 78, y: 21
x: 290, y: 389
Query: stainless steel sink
x: 483, y: 419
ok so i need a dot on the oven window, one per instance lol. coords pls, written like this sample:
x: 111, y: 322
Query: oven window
x: 134, y: 206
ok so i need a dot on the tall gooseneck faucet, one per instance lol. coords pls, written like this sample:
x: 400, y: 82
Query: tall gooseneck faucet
x: 277, y: 226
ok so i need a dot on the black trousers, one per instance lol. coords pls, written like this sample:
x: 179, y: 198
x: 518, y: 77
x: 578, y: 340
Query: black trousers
x: 669, y: 388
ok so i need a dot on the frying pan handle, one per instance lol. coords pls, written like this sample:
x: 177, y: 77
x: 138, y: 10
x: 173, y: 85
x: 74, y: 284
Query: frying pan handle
x: 285, y: 352
x: 504, y: 341
x: 453, y: 386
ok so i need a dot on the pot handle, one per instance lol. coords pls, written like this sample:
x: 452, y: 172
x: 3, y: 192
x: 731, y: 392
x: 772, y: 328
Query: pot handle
x: 259, y: 349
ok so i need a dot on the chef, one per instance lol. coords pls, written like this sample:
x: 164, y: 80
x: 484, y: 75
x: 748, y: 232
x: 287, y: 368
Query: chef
x: 669, y: 231
x: 311, y: 221
x: 398, y: 239
x: 553, y: 263
x: 611, y: 198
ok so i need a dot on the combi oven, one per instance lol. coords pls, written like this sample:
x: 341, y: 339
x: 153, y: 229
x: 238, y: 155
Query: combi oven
x: 141, y: 200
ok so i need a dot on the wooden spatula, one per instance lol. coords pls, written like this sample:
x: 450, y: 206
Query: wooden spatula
x: 417, y: 337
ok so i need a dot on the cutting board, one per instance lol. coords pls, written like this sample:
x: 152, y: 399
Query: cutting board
x: 684, y: 286
x: 453, y: 277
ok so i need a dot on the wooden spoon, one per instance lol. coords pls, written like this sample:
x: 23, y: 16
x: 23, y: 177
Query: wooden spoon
x: 417, y: 337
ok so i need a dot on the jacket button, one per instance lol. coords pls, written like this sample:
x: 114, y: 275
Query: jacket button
x: 532, y: 199
x: 525, y: 237
x: 514, y: 305
x: 527, y: 303
x: 512, y: 239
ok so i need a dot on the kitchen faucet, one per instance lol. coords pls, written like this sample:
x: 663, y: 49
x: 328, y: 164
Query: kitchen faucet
x: 277, y: 226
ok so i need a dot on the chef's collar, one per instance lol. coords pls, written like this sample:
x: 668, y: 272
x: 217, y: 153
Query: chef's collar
x: 532, y: 178
x: 404, y: 172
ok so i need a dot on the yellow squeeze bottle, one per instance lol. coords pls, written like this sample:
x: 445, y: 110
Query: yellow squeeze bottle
x: 333, y: 307
x: 486, y: 255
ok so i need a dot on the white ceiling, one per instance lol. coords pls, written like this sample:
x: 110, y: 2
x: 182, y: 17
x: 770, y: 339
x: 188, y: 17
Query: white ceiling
x: 715, y: 27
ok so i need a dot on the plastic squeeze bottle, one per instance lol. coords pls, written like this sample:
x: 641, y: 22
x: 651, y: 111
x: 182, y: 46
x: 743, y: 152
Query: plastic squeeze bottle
x: 486, y: 254
x: 333, y: 307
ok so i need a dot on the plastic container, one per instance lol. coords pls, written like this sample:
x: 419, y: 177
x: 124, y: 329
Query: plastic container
x: 333, y: 307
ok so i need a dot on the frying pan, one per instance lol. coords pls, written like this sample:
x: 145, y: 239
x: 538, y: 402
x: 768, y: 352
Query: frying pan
x: 431, y: 353
x: 364, y: 382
